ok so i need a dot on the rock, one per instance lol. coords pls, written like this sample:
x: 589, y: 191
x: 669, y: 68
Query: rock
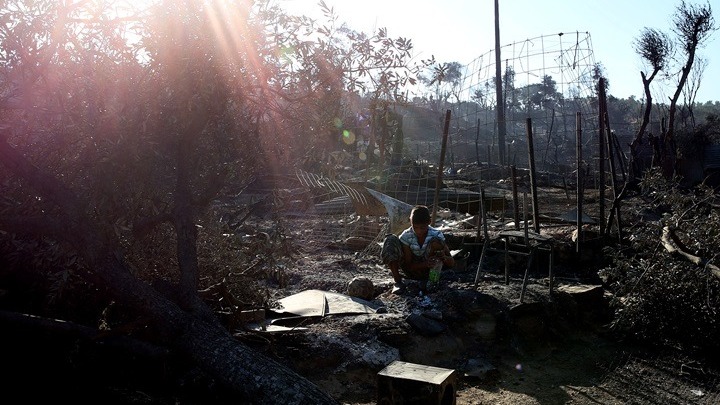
x: 425, y: 326
x: 481, y: 369
x: 361, y: 287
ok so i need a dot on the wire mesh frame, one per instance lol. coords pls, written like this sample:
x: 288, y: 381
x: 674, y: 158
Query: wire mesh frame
x: 566, y: 59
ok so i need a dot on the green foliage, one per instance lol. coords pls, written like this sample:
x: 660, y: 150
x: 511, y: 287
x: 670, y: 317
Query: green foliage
x: 654, y: 47
x: 665, y: 300
x: 146, y: 113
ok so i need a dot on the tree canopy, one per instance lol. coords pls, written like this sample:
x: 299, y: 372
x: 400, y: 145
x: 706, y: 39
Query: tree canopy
x: 121, y: 122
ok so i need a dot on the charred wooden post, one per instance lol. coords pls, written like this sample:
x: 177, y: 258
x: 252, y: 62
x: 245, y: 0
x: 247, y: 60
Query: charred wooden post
x: 533, y: 251
x: 506, y: 255
x: 525, y: 215
x: 516, y: 205
x: 579, y: 187
x: 486, y: 240
x: 533, y: 183
x: 477, y: 142
x: 601, y: 154
x: 500, y: 110
x: 438, y: 181
x: 615, y: 209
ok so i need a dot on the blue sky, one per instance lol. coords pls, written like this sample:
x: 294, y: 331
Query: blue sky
x: 613, y: 26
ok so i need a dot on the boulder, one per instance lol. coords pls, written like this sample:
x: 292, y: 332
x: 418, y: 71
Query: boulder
x: 361, y: 287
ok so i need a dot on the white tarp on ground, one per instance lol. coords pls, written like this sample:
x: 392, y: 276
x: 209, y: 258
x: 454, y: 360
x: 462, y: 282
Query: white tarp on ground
x: 318, y: 303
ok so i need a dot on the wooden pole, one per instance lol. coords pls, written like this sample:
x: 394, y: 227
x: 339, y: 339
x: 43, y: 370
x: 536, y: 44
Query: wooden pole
x: 551, y: 275
x: 525, y: 221
x: 506, y: 257
x: 615, y: 209
x: 533, y: 185
x: 621, y: 156
x: 477, y: 142
x: 579, y: 180
x: 601, y: 155
x: 486, y: 241
x: 533, y: 251
x: 516, y: 204
x: 485, y: 247
x: 499, y: 90
x: 438, y: 180
x: 483, y: 212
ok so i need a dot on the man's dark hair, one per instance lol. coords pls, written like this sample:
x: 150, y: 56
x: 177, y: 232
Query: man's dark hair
x: 420, y: 214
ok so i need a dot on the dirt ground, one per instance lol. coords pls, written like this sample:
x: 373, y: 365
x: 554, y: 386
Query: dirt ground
x: 547, y: 349
x: 541, y: 351
x: 543, y: 356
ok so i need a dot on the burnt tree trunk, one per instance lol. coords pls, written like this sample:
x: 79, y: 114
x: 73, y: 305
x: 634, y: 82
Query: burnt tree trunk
x: 635, y: 168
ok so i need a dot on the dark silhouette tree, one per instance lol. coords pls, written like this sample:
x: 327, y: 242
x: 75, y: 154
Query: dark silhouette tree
x: 119, y: 126
x: 693, y: 25
x: 655, y: 48
x: 445, y: 77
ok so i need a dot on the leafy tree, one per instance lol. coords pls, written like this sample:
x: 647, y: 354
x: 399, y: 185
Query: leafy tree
x: 484, y: 94
x: 655, y: 48
x: 119, y: 128
x: 543, y: 95
x: 445, y: 77
x: 510, y: 92
x: 374, y: 67
x: 693, y: 25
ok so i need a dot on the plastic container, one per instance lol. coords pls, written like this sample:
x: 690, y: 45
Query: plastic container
x: 435, y: 273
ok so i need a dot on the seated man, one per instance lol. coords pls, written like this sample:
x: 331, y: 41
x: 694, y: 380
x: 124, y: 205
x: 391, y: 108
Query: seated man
x: 418, y: 249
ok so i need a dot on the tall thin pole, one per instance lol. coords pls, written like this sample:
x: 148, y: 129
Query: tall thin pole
x: 601, y: 154
x: 615, y: 209
x: 533, y: 180
x: 438, y: 180
x: 516, y: 205
x: 579, y: 182
x: 477, y: 142
x: 499, y: 90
